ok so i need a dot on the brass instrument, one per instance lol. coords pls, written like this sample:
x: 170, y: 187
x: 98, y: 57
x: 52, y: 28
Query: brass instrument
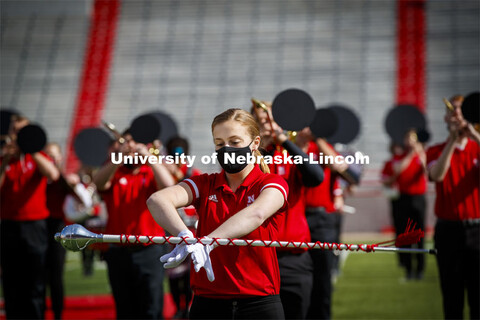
x: 111, y: 127
x: 413, y: 134
x: 292, y: 135
x: 451, y: 108
x: 448, y: 104
x: 259, y: 104
x: 155, y: 150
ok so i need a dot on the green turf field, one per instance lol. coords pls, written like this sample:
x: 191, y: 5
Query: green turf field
x: 78, y: 284
x: 370, y: 286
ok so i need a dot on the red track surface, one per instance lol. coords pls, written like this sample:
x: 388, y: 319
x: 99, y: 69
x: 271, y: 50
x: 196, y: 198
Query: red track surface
x: 95, y: 307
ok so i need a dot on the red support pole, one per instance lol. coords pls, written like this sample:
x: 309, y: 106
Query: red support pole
x: 411, y: 87
x: 95, y: 76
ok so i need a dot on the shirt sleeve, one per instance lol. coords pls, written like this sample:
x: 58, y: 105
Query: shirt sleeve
x: 196, y: 185
x: 432, y: 155
x: 312, y: 174
x: 277, y: 182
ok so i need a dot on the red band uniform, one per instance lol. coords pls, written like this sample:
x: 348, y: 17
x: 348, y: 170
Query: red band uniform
x: 243, y: 272
x: 247, y: 274
x: 457, y: 231
x: 23, y: 213
x: 324, y: 227
x: 411, y: 205
x: 134, y: 266
x: 296, y: 266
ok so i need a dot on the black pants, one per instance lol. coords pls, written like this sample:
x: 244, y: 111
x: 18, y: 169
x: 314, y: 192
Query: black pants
x: 267, y: 307
x: 136, y: 278
x: 23, y: 258
x: 458, y: 265
x: 296, y: 275
x: 397, y: 224
x: 55, y: 263
x: 411, y: 207
x: 322, y: 228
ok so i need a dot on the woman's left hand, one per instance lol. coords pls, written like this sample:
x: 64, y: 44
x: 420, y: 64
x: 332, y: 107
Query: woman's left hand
x: 201, y: 258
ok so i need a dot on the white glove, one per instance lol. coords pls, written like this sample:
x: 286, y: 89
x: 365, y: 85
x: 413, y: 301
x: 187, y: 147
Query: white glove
x: 179, y: 253
x: 201, y: 258
x: 84, y: 194
x: 74, y: 210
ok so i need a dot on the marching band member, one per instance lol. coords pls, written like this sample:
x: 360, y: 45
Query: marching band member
x: 323, y: 204
x: 296, y: 266
x: 179, y: 277
x: 179, y: 146
x: 454, y: 167
x: 242, y: 201
x: 56, y: 193
x: 409, y: 170
x: 134, y: 272
x: 390, y: 189
x: 23, y: 211
x: 61, y: 197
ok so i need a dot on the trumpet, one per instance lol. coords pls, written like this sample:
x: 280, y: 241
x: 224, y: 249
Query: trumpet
x: 448, y: 104
x: 451, y: 108
x: 154, y: 150
x: 292, y: 135
x: 260, y: 105
x: 111, y: 127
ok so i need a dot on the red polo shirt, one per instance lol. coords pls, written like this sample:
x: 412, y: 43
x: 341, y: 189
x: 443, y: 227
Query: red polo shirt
x: 294, y: 226
x: 413, y: 179
x: 323, y: 194
x: 457, y: 195
x: 126, y: 202
x: 23, y: 192
x: 239, y: 271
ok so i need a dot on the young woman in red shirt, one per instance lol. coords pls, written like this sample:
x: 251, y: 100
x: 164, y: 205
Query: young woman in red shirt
x: 242, y: 201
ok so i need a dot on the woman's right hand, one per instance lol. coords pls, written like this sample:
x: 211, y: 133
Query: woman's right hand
x: 179, y: 253
x: 200, y: 255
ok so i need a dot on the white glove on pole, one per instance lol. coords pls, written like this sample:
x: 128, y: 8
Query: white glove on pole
x: 179, y: 253
x: 201, y: 258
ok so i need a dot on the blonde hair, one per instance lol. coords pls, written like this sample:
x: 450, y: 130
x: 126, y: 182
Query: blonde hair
x: 246, y: 120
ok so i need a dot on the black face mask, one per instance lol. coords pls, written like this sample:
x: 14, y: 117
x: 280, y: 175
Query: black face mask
x: 235, y: 153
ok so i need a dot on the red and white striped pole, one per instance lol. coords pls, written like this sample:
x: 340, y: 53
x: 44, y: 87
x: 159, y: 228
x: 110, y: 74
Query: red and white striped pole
x: 75, y: 237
